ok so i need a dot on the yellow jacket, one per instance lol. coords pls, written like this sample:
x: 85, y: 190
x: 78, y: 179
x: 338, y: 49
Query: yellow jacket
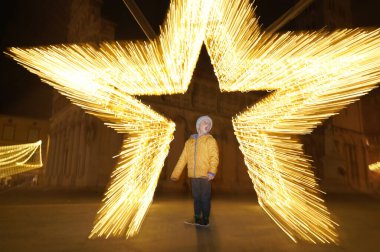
x: 201, y: 155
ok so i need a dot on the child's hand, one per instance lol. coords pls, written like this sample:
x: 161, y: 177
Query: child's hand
x: 210, y: 177
x: 173, y: 179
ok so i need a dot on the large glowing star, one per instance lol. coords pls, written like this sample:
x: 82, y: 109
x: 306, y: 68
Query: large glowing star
x: 314, y: 75
x: 15, y: 159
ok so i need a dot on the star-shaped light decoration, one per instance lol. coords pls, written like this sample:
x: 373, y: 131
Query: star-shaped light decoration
x: 314, y: 75
x: 15, y: 159
x: 302, y: 68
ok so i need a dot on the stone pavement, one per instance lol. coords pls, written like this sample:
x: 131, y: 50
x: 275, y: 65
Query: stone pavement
x: 56, y: 221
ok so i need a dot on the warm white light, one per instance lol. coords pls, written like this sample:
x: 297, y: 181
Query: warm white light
x: 15, y: 159
x: 314, y: 75
x: 134, y: 180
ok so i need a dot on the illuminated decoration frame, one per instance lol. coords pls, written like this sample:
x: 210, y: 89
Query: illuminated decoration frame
x: 15, y: 159
x: 312, y: 75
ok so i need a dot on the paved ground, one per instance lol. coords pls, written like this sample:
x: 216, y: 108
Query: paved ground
x: 56, y: 221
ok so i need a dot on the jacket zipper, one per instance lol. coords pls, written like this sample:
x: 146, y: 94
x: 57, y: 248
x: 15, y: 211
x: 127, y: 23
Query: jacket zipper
x: 195, y: 155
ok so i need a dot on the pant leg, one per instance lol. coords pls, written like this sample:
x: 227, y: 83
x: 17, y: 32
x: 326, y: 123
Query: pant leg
x: 205, y: 198
x: 196, y: 191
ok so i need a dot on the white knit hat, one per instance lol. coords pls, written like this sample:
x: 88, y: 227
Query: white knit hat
x: 204, y: 118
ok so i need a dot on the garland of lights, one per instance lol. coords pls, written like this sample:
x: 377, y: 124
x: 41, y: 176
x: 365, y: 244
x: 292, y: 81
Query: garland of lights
x: 15, y: 159
x: 314, y: 75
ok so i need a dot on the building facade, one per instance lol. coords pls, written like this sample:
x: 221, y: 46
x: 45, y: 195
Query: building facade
x: 204, y: 98
x: 82, y: 147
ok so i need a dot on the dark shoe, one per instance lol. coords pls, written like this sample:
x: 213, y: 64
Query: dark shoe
x: 204, y: 223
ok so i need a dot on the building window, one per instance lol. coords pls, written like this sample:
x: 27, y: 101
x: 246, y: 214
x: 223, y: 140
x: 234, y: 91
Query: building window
x: 8, y: 132
x: 33, y: 134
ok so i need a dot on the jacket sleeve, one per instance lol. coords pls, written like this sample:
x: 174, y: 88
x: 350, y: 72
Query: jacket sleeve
x: 182, y: 161
x: 213, y: 155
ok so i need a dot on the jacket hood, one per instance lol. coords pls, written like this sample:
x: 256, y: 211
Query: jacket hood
x: 201, y: 119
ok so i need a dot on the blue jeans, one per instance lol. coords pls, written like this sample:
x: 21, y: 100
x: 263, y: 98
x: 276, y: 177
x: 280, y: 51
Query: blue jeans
x: 201, y: 189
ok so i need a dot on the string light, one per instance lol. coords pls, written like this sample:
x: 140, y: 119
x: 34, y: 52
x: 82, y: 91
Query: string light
x: 314, y: 75
x: 15, y: 159
x: 102, y: 80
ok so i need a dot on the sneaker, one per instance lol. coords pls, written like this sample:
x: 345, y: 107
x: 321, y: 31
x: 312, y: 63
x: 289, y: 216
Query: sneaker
x: 194, y: 221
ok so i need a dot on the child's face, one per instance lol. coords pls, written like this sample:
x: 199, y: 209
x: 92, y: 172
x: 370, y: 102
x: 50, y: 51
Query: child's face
x: 203, y: 127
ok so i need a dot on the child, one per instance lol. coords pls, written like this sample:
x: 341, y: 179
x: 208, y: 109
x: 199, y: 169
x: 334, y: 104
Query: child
x: 201, y: 156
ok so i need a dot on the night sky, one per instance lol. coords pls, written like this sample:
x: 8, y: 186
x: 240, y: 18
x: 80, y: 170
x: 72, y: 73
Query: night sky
x: 31, y: 23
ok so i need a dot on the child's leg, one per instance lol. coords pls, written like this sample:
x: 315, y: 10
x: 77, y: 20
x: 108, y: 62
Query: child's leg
x: 206, y: 199
x: 196, y: 191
